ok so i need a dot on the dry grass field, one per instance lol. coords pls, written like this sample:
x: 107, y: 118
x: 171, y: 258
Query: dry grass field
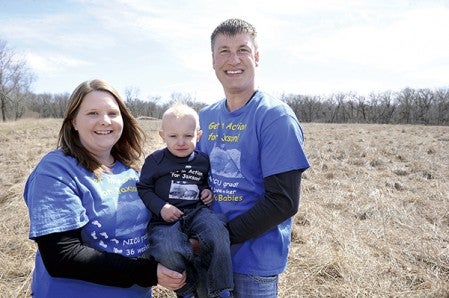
x: 373, y: 221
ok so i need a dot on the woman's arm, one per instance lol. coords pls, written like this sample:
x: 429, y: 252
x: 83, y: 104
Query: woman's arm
x: 64, y: 255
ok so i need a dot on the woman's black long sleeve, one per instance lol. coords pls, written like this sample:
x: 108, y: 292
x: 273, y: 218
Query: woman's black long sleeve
x: 64, y: 255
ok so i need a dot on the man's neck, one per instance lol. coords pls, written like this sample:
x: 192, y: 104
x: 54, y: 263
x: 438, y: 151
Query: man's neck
x: 235, y: 101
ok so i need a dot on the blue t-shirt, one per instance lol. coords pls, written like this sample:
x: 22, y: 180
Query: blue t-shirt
x: 258, y: 140
x: 61, y: 195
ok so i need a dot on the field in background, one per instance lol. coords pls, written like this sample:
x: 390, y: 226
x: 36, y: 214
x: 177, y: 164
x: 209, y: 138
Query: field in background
x: 373, y: 221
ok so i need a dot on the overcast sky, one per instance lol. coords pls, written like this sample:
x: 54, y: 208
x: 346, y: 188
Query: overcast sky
x: 160, y: 47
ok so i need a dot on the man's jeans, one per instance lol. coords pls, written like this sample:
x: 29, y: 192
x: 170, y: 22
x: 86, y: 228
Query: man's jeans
x: 255, y: 286
x: 249, y: 286
x: 170, y: 246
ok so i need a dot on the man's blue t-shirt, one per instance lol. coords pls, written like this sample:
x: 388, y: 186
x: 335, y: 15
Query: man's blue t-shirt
x: 61, y: 195
x: 245, y: 146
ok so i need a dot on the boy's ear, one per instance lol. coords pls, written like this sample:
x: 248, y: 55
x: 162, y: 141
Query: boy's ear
x: 161, y: 134
x: 199, y: 134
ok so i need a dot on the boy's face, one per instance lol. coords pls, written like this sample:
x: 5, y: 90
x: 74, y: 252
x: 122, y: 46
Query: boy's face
x: 180, y: 135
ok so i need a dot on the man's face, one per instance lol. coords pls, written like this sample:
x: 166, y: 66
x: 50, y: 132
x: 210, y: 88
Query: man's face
x: 234, y: 61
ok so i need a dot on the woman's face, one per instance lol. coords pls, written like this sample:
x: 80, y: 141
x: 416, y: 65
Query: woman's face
x: 99, y: 123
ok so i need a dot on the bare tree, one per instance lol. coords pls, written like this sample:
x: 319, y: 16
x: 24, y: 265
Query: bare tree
x: 382, y: 107
x: 185, y: 98
x: 48, y: 105
x: 441, y: 107
x: 15, y: 80
x: 405, y: 105
x: 132, y: 101
x: 423, y: 101
x: 307, y: 108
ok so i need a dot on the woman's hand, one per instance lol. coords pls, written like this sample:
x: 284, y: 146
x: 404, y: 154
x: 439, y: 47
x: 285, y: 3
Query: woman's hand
x: 170, y: 213
x: 170, y: 279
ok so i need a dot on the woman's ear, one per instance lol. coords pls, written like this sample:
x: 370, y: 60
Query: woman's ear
x: 74, y: 125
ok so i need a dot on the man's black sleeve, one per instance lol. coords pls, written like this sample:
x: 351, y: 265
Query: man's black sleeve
x: 64, y: 255
x: 280, y: 202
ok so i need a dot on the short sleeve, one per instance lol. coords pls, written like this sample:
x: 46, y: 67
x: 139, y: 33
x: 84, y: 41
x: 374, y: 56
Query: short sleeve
x: 52, y: 197
x: 282, y: 145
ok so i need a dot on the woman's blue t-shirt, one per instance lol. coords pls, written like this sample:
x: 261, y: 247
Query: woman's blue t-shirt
x: 61, y: 195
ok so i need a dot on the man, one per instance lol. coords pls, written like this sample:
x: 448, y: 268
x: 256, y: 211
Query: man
x: 255, y: 145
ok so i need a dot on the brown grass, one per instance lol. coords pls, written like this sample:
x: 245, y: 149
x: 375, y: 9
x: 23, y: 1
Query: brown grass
x: 373, y: 221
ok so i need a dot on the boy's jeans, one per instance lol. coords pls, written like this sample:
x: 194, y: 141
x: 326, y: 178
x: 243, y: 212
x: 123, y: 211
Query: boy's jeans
x: 169, y: 245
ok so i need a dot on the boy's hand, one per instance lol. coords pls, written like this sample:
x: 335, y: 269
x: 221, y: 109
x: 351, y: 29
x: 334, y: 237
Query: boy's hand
x: 170, y: 213
x: 206, y: 197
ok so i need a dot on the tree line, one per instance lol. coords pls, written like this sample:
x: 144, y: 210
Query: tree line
x: 407, y: 106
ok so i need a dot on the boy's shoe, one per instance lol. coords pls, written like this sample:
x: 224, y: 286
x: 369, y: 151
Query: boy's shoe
x: 225, y: 294
x: 190, y: 295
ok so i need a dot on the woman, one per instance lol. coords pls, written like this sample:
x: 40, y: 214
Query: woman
x: 85, y: 213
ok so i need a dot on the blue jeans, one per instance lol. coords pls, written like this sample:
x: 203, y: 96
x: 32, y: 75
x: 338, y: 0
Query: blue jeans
x: 249, y: 286
x: 170, y: 246
x: 255, y: 286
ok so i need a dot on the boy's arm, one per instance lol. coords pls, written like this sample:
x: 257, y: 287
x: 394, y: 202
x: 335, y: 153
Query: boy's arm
x: 146, y: 186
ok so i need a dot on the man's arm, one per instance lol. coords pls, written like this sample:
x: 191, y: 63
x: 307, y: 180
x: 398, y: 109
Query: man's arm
x: 280, y: 202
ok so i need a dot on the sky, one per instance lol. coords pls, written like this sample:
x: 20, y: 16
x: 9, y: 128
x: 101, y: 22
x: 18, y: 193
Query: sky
x: 158, y: 48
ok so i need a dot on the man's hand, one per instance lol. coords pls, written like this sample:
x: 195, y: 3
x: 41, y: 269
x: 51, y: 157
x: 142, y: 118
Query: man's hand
x: 170, y: 213
x: 195, y: 246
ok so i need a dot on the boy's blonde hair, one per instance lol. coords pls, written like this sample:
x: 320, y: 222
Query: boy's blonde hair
x: 181, y: 110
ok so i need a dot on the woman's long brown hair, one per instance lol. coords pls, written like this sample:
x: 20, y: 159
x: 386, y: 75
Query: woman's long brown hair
x: 128, y: 149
